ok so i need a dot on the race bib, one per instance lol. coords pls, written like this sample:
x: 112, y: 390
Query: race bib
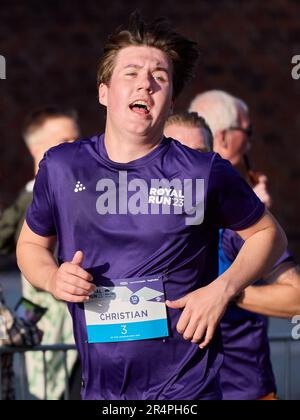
x: 127, y: 310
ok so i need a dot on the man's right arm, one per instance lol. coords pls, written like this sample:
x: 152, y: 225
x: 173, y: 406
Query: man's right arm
x: 69, y: 282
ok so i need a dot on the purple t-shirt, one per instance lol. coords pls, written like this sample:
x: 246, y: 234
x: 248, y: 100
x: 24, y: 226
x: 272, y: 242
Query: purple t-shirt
x: 117, y: 214
x: 246, y: 373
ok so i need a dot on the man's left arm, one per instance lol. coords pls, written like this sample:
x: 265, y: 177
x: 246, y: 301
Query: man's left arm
x: 203, y: 309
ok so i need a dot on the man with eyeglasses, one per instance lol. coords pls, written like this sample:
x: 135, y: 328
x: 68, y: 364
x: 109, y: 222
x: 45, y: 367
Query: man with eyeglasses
x: 247, y: 371
x: 228, y: 118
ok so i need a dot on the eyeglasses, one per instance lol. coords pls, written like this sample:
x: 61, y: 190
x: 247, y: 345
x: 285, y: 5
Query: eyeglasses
x: 248, y: 131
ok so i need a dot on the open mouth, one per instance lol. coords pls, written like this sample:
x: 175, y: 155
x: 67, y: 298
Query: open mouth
x: 140, y: 107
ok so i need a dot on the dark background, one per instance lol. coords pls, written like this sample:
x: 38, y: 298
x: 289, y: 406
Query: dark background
x: 52, y: 49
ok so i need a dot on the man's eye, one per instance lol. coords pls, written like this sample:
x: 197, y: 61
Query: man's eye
x: 159, y: 77
x: 131, y: 74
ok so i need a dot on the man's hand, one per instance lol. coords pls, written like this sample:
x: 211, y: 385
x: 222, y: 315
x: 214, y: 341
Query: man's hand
x: 203, y: 310
x: 261, y: 190
x: 70, y: 282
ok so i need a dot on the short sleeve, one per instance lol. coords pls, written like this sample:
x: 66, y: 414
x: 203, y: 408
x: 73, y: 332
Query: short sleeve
x: 39, y: 215
x: 231, y: 244
x: 232, y: 204
x: 286, y: 257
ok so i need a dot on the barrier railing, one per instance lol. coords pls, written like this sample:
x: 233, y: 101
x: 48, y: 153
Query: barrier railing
x: 288, y: 381
x: 23, y: 392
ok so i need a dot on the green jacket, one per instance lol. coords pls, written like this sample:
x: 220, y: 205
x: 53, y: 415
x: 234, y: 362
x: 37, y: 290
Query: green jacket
x: 11, y: 221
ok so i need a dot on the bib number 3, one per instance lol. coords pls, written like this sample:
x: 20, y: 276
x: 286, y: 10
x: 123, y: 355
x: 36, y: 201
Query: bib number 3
x: 124, y: 330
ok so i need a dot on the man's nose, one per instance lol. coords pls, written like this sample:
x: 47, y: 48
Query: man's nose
x: 145, y: 82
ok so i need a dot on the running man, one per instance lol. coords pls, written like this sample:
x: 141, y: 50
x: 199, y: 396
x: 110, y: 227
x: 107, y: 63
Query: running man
x: 137, y: 218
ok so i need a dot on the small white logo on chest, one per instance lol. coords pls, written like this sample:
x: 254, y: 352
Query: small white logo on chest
x: 79, y: 187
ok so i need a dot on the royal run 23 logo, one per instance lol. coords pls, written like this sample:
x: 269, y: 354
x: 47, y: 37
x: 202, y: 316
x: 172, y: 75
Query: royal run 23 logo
x: 2, y: 67
x: 161, y: 197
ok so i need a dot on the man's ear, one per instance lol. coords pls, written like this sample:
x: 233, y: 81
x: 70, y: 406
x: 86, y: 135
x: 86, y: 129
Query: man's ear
x: 103, y: 89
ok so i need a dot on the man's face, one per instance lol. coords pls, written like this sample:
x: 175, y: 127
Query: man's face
x: 53, y: 132
x: 237, y: 141
x: 139, y: 95
x: 59, y: 130
x: 193, y: 137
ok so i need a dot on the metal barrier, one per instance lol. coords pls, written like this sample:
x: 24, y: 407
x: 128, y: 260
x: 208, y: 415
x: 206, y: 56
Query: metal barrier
x: 288, y: 381
x: 64, y: 348
x: 286, y: 340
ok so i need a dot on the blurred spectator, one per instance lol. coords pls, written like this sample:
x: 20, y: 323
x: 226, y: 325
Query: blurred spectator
x: 14, y: 331
x: 191, y: 130
x: 43, y: 129
x: 7, y: 372
x: 228, y: 119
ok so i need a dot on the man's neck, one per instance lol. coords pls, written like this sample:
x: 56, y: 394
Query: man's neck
x: 126, y: 148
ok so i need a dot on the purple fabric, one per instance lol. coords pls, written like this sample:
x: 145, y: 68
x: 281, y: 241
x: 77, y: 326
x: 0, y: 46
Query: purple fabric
x: 124, y: 246
x: 246, y: 373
